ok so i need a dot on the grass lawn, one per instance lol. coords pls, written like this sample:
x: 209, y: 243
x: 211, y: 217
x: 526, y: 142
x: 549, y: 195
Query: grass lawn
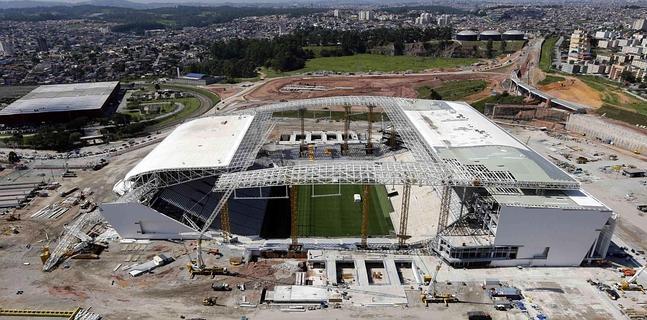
x: 551, y: 79
x: 627, y: 116
x: 378, y: 62
x: 547, y: 49
x: 338, y: 216
x: 191, y: 104
x: 317, y: 49
x: 210, y: 95
x: 453, y: 90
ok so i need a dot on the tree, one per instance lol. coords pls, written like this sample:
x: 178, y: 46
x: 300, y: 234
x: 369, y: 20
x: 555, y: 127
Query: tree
x: 628, y: 76
x: 504, y: 46
x: 433, y: 95
x: 398, y: 48
x: 12, y: 157
x: 489, y: 50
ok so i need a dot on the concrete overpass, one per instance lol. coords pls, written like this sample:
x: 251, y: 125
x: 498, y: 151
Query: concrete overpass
x: 524, y: 88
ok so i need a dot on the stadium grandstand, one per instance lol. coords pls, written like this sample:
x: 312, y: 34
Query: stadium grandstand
x: 430, y: 174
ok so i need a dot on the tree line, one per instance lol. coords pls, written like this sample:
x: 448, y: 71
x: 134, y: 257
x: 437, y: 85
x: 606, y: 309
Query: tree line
x: 241, y: 58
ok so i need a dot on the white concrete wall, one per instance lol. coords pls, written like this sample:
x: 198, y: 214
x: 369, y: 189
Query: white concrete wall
x: 569, y: 234
x: 597, y: 128
x: 137, y: 221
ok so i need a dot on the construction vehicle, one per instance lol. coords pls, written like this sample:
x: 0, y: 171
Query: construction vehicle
x: 207, y: 271
x: 631, y: 285
x: 220, y: 287
x: 432, y: 294
x: 210, y: 301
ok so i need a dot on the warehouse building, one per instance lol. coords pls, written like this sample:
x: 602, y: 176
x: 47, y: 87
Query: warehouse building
x: 196, y: 79
x: 61, y: 103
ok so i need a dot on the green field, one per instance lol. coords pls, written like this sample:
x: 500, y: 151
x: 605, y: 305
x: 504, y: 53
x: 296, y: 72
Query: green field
x: 620, y: 114
x: 317, y: 49
x: 382, y: 63
x: 453, y: 90
x: 547, y: 48
x: 551, y: 79
x: 339, y: 216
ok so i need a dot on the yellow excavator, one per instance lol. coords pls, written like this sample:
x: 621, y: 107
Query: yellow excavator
x: 432, y: 294
x: 631, y: 285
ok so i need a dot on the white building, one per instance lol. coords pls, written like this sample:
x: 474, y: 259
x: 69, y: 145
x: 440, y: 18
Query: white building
x: 640, y: 24
x: 365, y: 15
x: 443, y: 20
x: 424, y: 18
x: 335, y: 13
x: 7, y: 48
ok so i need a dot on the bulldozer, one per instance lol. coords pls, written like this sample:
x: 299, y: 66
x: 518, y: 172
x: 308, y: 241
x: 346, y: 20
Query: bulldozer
x: 432, y: 294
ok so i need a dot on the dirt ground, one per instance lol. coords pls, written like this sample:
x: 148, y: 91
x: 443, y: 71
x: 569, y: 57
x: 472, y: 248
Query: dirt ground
x: 573, y: 89
x: 390, y: 85
x: 224, y: 91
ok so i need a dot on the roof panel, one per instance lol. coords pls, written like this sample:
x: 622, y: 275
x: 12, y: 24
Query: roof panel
x: 209, y: 142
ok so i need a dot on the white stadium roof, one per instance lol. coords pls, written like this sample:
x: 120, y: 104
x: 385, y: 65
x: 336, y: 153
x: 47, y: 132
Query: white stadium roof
x: 208, y: 142
x: 62, y: 97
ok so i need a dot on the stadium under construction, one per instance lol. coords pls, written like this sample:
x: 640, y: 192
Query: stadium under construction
x: 388, y: 173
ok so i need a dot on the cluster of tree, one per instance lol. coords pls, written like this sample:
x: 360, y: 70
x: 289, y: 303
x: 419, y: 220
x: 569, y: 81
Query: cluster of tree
x: 240, y: 58
x: 177, y: 16
x: 137, y: 27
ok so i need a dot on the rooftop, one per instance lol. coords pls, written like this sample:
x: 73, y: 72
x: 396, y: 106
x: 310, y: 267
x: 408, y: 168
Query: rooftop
x: 572, y: 199
x: 62, y: 97
x: 459, y: 133
x: 209, y: 142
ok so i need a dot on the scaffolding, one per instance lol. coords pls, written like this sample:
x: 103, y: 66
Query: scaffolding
x: 372, y: 173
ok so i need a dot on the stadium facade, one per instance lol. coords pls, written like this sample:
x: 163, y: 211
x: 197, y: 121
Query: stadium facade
x: 502, y: 204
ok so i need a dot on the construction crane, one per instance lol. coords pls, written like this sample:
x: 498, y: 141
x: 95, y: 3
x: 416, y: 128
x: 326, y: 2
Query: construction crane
x: 432, y: 294
x: 631, y: 285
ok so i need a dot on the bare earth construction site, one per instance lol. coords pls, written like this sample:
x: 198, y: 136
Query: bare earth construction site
x: 368, y: 205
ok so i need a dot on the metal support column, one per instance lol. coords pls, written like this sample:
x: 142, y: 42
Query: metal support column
x: 224, y: 222
x: 365, y: 207
x: 445, y: 201
x: 404, y: 214
x: 302, y: 145
x: 344, y: 147
x: 369, y: 136
x: 294, y: 207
